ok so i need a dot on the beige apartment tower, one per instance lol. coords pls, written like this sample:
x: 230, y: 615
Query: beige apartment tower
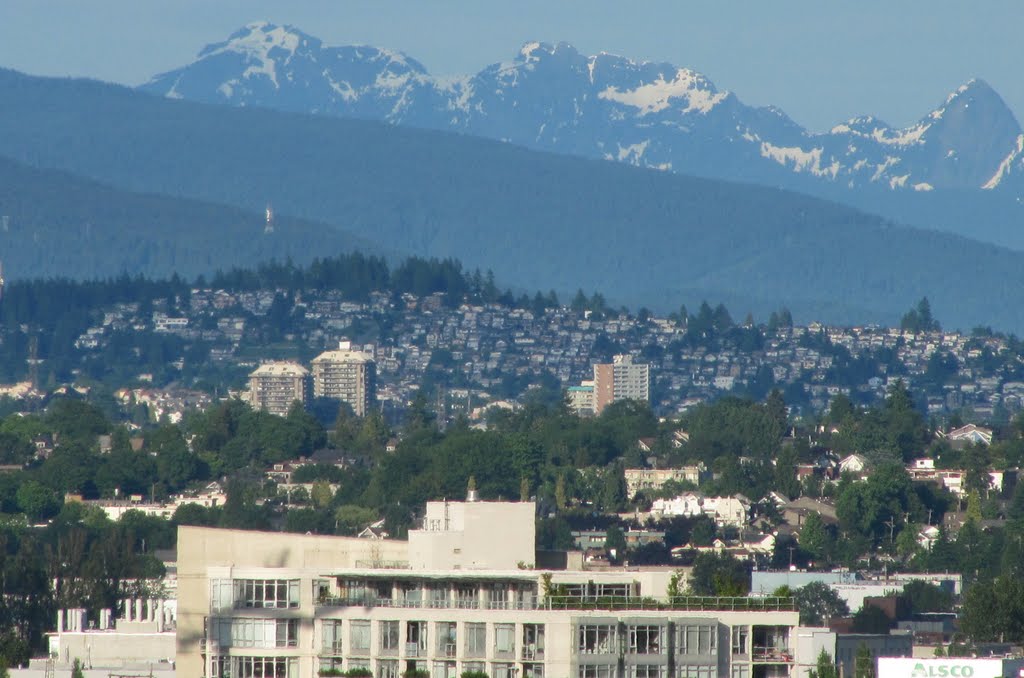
x: 346, y: 375
x: 622, y: 379
x: 274, y: 386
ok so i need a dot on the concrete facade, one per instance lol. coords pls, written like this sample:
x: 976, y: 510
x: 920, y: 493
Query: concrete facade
x: 346, y: 375
x: 622, y: 379
x: 299, y: 605
x: 275, y: 386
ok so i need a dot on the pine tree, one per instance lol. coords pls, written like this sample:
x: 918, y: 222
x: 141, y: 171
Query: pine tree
x: 864, y: 663
x: 825, y: 668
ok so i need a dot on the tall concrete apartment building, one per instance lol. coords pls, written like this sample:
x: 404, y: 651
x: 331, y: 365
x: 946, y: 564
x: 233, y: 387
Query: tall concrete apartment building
x: 462, y: 594
x: 274, y: 386
x: 621, y: 379
x: 346, y: 375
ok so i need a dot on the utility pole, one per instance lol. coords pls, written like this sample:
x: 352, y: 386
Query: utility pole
x: 892, y: 526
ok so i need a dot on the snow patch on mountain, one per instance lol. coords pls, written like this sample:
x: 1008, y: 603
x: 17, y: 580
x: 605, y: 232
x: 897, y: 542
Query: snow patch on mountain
x: 1006, y: 166
x: 656, y: 96
x: 633, y: 153
x: 800, y: 160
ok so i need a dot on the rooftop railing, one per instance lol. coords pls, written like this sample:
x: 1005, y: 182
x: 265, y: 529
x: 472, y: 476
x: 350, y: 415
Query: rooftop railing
x: 680, y: 603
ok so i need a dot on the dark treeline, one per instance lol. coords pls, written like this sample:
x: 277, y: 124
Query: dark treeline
x: 47, y: 302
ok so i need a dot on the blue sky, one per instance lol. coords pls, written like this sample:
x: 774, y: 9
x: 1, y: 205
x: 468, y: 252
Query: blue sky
x: 822, y: 61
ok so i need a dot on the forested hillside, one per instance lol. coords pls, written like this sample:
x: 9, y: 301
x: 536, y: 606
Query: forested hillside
x: 539, y: 221
x: 57, y: 224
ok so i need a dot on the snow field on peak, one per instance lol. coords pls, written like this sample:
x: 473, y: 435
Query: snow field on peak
x: 656, y: 96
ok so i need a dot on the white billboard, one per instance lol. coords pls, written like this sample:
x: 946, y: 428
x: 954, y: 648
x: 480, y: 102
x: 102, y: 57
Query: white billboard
x: 947, y: 667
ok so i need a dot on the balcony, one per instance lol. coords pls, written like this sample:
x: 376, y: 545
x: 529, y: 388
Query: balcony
x: 681, y: 603
x: 772, y: 655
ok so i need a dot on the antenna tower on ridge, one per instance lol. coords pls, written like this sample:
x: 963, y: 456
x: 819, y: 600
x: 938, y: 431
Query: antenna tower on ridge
x: 269, y: 227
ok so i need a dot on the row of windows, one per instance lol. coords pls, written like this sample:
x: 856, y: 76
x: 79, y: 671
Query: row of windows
x: 254, y: 667
x: 648, y: 671
x: 263, y: 633
x: 446, y: 638
x: 393, y: 668
x: 408, y: 594
x: 691, y: 639
x: 253, y: 593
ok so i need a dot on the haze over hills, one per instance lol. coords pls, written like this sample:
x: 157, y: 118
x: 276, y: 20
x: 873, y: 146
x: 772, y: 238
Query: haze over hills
x: 57, y: 224
x: 540, y: 221
x: 551, y: 97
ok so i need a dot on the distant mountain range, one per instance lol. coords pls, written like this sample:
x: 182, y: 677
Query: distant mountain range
x: 539, y: 220
x: 552, y: 98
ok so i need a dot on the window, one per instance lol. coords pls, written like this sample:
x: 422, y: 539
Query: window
x: 646, y: 671
x: 504, y: 639
x: 740, y: 671
x: 331, y: 636
x: 526, y: 599
x: 710, y: 671
x: 740, y: 640
x: 447, y: 641
x: 355, y: 589
x: 476, y: 640
x: 409, y: 595
x: 416, y: 639
x: 437, y: 597
x: 387, y: 668
x: 596, y: 639
x: 645, y: 640
x: 698, y: 639
x: 466, y: 598
x: 221, y: 595
x: 260, y: 633
x: 497, y: 597
x: 443, y: 670
x: 359, y: 641
x: 330, y: 664
x: 597, y: 671
x: 533, y: 642
x: 475, y: 667
x: 389, y: 637
x: 533, y: 671
x: 280, y: 593
x: 255, y: 667
x: 321, y: 590
x: 500, y: 670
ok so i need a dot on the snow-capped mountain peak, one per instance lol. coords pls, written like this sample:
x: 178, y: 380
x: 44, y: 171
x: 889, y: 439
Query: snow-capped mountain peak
x: 551, y: 97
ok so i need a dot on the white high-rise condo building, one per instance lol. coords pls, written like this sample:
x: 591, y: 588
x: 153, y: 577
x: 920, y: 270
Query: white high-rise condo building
x: 346, y: 375
x: 621, y: 379
x: 274, y: 386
